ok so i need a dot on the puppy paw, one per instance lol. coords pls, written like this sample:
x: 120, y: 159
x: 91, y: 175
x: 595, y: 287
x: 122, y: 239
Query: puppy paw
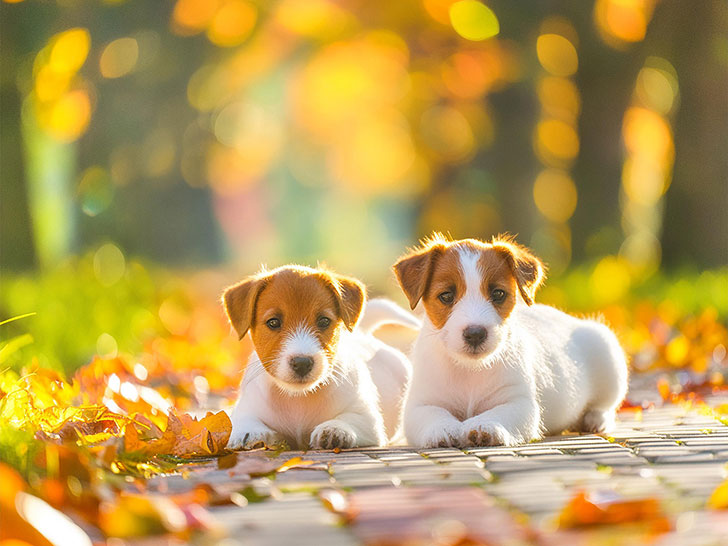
x: 488, y: 434
x: 447, y: 437
x: 245, y: 440
x: 330, y: 436
x: 597, y: 421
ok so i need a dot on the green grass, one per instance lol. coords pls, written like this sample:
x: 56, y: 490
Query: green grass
x: 59, y: 316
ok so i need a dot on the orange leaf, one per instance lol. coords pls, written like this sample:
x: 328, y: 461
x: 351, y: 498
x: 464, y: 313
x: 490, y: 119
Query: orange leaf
x: 293, y: 463
x: 583, y: 511
x: 663, y: 387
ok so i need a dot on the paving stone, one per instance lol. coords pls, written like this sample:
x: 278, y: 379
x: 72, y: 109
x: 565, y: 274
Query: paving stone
x: 610, y: 448
x: 652, y: 453
x: 535, y: 451
x: 405, y: 515
x: 486, y: 452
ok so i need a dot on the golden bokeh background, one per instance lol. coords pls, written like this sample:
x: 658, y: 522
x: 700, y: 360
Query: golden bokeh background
x: 197, y: 133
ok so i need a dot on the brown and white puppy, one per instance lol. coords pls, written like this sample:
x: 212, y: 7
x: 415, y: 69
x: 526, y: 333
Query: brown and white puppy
x: 490, y: 366
x: 315, y: 379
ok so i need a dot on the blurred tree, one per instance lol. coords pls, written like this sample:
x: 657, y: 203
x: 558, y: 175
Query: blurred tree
x: 287, y: 129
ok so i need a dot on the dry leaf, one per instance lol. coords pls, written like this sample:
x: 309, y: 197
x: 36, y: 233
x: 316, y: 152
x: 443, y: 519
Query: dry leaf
x: 719, y: 497
x: 584, y: 511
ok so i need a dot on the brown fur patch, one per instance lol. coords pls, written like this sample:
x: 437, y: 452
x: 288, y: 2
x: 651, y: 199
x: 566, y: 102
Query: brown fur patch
x: 297, y: 296
x: 497, y: 273
x: 446, y: 276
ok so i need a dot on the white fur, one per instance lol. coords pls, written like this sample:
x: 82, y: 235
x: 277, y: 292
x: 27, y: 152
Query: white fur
x: 380, y: 311
x: 301, y: 341
x: 541, y: 371
x: 358, y: 401
x: 471, y: 310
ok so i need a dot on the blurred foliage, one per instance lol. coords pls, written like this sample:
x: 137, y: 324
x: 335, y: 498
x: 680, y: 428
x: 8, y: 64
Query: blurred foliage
x: 285, y: 130
x: 91, y: 304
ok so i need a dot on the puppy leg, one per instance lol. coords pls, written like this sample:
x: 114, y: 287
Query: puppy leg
x: 509, y: 424
x: 349, y: 430
x: 432, y: 426
x: 250, y: 433
x: 608, y: 377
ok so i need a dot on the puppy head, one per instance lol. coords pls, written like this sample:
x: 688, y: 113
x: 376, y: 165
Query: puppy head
x: 469, y: 289
x: 296, y: 316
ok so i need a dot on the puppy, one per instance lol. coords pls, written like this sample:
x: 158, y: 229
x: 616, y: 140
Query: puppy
x: 315, y: 379
x: 492, y: 368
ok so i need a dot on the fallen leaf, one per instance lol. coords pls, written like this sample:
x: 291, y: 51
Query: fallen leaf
x: 293, y: 463
x: 719, y: 497
x: 584, y: 511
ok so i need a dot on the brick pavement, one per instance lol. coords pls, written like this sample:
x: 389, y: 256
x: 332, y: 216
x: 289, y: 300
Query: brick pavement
x: 493, y: 494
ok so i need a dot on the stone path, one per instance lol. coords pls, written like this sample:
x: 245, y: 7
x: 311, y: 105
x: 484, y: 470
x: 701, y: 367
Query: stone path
x: 495, y: 495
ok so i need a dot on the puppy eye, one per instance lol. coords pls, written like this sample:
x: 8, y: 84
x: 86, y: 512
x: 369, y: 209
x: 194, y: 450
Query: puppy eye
x: 273, y: 324
x: 446, y: 297
x: 498, y: 295
x: 323, y: 322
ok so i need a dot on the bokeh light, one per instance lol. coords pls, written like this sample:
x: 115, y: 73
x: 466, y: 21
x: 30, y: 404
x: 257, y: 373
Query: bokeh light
x: 473, y: 20
x: 232, y: 23
x: 62, y: 100
x: 68, y: 116
x: 621, y: 22
x: 557, y: 142
x: 314, y: 18
x: 69, y: 49
x: 557, y: 54
x: 647, y: 167
x: 119, y: 58
x: 610, y: 280
x: 447, y: 132
x: 109, y: 264
x: 555, y: 195
x: 95, y: 190
x: 193, y: 16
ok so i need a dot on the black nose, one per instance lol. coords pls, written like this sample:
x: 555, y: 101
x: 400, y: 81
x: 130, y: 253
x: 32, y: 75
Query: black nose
x: 474, y: 335
x: 301, y: 365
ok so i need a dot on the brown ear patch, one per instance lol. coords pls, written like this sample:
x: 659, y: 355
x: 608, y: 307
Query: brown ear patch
x: 414, y: 270
x: 528, y: 270
x: 350, y: 294
x: 239, y: 303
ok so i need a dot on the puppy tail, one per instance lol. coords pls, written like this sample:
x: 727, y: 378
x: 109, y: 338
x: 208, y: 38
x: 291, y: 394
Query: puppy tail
x: 381, y: 311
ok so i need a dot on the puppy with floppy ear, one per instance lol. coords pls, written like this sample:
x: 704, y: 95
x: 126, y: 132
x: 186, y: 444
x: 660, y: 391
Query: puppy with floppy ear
x: 492, y: 367
x: 315, y: 379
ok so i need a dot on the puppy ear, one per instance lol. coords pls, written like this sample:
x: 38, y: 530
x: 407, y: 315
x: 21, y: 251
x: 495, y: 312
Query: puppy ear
x: 413, y: 271
x: 350, y: 294
x: 239, y: 302
x: 528, y: 270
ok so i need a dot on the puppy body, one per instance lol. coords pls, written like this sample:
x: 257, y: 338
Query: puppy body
x: 535, y: 371
x: 362, y: 406
x: 315, y: 379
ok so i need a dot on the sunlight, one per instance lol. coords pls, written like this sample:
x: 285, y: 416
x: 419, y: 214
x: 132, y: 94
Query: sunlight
x: 52, y: 524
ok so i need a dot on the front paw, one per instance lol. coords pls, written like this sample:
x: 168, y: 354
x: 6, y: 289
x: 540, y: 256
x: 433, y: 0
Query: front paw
x: 450, y: 436
x: 245, y: 440
x: 488, y: 434
x: 332, y: 436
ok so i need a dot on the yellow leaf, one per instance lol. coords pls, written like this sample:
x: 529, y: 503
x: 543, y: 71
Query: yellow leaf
x: 719, y: 497
x: 291, y: 463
